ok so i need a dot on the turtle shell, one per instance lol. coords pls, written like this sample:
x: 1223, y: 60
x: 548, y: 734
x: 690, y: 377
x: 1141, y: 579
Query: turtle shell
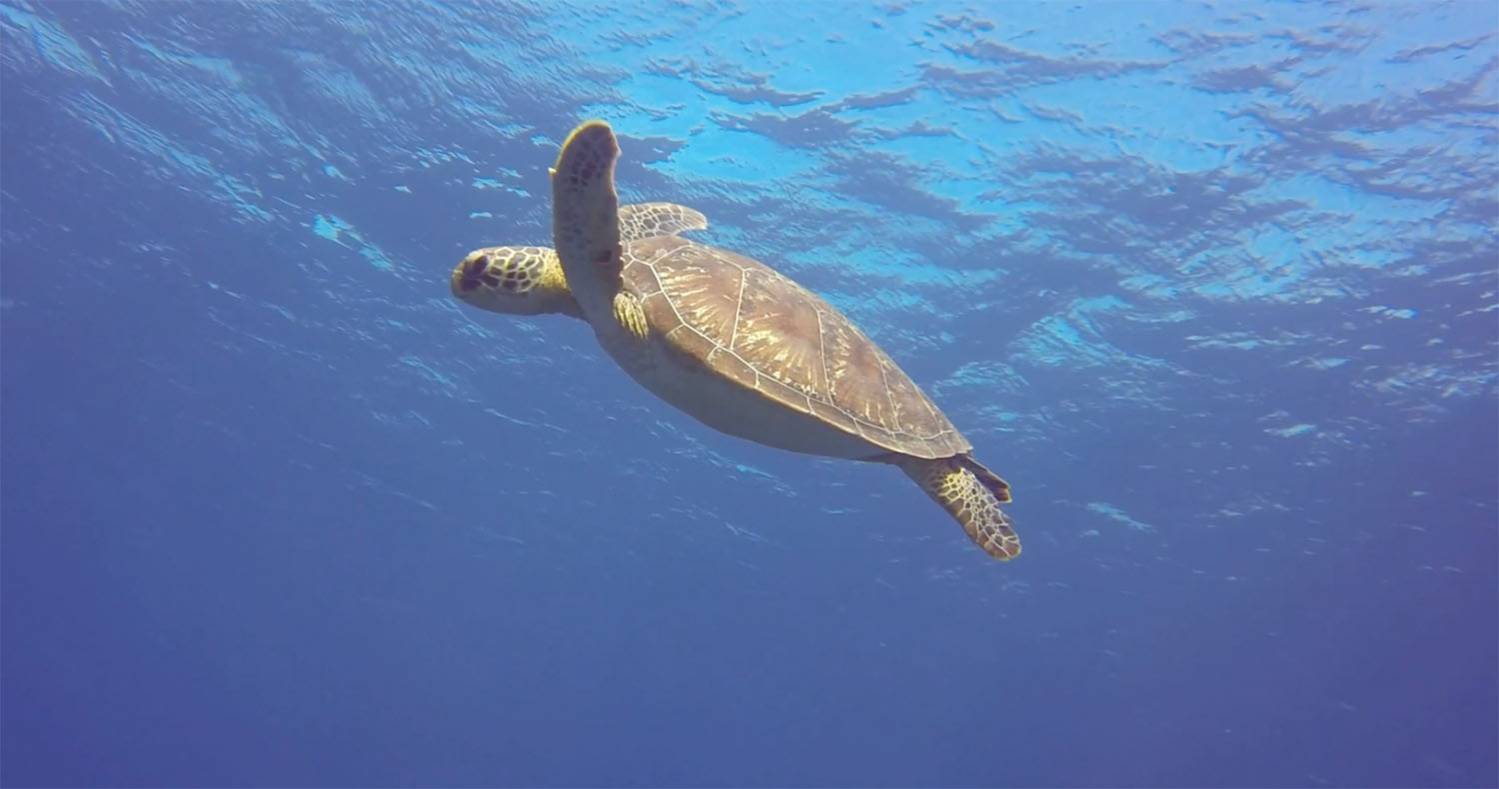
x: 746, y: 322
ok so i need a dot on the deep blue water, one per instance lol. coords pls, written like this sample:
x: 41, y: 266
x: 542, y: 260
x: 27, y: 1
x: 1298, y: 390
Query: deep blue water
x: 1214, y: 287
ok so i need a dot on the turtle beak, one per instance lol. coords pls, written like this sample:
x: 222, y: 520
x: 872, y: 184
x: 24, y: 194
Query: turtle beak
x: 466, y: 275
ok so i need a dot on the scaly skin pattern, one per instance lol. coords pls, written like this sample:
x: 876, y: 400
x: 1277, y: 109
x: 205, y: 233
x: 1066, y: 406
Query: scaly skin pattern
x: 510, y: 269
x: 973, y: 505
x: 647, y: 220
x: 629, y: 314
x: 514, y: 280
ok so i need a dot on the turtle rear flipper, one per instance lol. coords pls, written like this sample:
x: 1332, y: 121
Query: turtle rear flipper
x: 995, y: 483
x: 972, y: 503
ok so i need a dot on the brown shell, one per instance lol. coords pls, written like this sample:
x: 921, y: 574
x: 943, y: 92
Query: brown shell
x: 751, y: 324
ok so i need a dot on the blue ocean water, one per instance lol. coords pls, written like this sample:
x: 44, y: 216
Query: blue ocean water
x: 1213, y: 286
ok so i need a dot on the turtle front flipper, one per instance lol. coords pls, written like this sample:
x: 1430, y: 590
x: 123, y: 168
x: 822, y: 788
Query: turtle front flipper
x: 585, y: 218
x: 630, y: 314
x: 973, y: 504
x: 649, y: 220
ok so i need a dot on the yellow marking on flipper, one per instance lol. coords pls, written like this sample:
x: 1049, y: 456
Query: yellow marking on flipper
x: 631, y: 315
x: 582, y: 128
x: 972, y: 504
x: 649, y: 220
x: 992, y: 481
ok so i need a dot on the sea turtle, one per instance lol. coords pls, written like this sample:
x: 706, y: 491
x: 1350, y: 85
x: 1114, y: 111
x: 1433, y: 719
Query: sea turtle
x: 728, y: 339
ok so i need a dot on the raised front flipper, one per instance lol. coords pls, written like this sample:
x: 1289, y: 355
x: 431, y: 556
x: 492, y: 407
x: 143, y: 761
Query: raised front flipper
x: 648, y: 220
x: 585, y: 218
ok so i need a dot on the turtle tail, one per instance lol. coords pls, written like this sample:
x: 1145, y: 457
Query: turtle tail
x: 971, y: 494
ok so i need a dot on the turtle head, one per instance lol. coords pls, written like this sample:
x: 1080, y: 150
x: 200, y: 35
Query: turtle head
x: 514, y: 280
